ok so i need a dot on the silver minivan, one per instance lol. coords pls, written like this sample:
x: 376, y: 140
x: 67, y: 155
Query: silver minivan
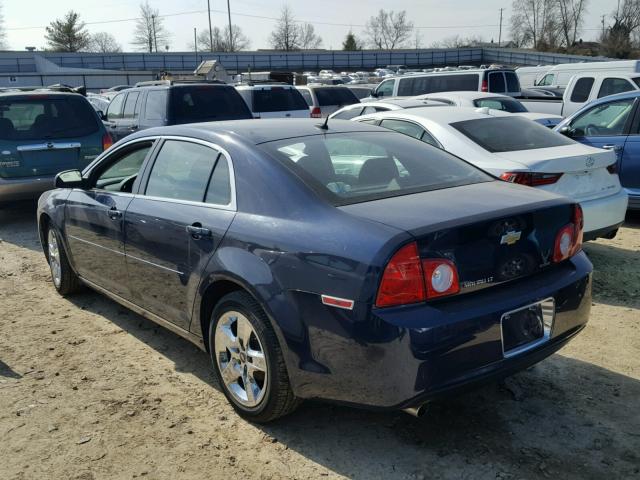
x: 503, y: 81
x: 273, y: 100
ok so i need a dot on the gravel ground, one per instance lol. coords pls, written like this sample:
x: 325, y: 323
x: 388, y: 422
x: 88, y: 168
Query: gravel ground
x: 89, y: 390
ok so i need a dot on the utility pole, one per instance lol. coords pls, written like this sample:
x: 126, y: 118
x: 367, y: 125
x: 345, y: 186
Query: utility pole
x: 195, y: 44
x: 603, y: 17
x: 500, y: 32
x: 210, y: 31
x: 155, y: 40
x: 230, y: 34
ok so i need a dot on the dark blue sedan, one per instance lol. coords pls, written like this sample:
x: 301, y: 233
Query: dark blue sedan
x: 348, y: 263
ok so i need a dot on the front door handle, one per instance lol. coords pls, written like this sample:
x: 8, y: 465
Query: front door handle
x: 114, y: 214
x: 615, y: 148
x: 197, y: 231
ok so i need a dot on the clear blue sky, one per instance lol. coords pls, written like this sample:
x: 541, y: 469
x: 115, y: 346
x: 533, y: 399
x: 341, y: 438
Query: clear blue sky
x: 461, y: 17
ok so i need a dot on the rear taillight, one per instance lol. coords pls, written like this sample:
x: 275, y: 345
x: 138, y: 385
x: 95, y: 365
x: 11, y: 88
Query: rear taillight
x: 402, y: 280
x: 440, y: 277
x: 408, y: 279
x: 485, y: 86
x: 316, y: 113
x: 569, y: 238
x: 107, y: 141
x: 532, y: 179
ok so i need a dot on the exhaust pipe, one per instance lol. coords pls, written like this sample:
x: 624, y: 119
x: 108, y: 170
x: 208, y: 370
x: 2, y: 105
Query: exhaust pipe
x: 418, y: 411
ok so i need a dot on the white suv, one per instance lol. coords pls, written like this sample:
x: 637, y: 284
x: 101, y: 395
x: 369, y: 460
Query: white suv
x: 274, y: 100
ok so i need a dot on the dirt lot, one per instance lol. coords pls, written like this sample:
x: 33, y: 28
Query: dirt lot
x: 91, y: 390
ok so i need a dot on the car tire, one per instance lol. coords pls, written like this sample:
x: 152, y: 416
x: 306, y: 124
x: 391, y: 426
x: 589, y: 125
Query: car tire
x: 63, y: 277
x: 248, y: 361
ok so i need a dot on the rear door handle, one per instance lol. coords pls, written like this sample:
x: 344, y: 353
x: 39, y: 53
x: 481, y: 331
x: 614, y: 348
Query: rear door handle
x: 114, y: 214
x: 198, y: 231
x: 615, y: 148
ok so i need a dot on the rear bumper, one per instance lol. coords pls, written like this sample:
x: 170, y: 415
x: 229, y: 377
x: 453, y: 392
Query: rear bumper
x: 25, y: 188
x: 401, y: 357
x: 603, y: 215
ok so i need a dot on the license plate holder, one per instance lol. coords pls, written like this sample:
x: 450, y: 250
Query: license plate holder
x: 527, y: 327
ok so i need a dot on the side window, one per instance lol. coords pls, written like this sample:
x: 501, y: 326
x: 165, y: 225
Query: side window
x: 385, y: 89
x: 350, y: 113
x: 181, y: 171
x: 130, y: 105
x: 582, y: 89
x: 427, y: 138
x: 156, y: 108
x: 611, y: 86
x: 219, y: 191
x: 513, y: 85
x: 114, y: 111
x: 604, y: 120
x: 400, y: 126
x: 126, y: 166
x: 546, y: 81
x: 496, y: 82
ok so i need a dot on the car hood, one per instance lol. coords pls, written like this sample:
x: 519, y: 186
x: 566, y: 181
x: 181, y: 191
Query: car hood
x: 567, y: 158
x: 426, y: 212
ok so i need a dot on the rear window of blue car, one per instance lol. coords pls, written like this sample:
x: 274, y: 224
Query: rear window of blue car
x: 37, y: 117
x: 355, y: 167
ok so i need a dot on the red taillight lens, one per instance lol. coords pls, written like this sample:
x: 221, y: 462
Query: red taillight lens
x: 107, y: 141
x: 316, y: 113
x: 531, y: 179
x: 402, y: 280
x: 569, y: 238
x: 485, y: 86
x: 440, y: 277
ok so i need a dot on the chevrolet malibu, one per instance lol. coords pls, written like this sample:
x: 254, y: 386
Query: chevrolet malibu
x: 343, y: 262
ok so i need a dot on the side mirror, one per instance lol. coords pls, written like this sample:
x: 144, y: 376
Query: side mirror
x: 567, y: 131
x: 101, y: 114
x: 69, y: 179
x: 374, y: 93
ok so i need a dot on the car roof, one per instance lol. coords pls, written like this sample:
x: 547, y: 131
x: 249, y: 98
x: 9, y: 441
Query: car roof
x: 36, y: 93
x: 469, y: 95
x: 442, y: 115
x: 257, y: 131
x: 616, y: 96
x: 453, y: 72
x: 257, y: 86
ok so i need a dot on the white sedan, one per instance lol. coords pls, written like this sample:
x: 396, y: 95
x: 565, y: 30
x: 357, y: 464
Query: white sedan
x: 521, y: 151
x: 494, y: 101
x: 394, y: 103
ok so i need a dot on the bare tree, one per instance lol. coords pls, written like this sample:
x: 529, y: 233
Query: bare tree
x: 67, y: 34
x: 150, y: 30
x: 220, y: 38
x: 626, y: 21
x: 3, y: 33
x: 308, y: 38
x: 103, y: 42
x: 389, y: 30
x: 286, y: 35
x: 456, y: 41
x: 534, y: 23
x: 571, y: 17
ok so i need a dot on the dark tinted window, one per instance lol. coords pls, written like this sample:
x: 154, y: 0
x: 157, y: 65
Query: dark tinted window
x: 611, y: 86
x: 406, y: 128
x: 181, y: 171
x: 127, y: 165
x: 438, y: 83
x: 513, y: 85
x: 496, y: 82
x: 515, y: 133
x: 156, y: 108
x: 219, y: 191
x: 278, y: 99
x: 504, y: 104
x: 581, y: 90
x: 130, y: 105
x: 335, y: 96
x: 636, y: 81
x: 349, y: 114
x: 42, y: 117
x: 385, y: 89
x: 115, y: 107
x: 201, y: 103
x: 356, y: 167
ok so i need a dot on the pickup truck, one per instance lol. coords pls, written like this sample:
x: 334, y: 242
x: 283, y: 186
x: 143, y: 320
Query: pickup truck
x: 582, y: 89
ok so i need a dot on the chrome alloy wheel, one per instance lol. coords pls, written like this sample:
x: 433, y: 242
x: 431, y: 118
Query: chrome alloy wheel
x: 241, y: 359
x: 54, y: 258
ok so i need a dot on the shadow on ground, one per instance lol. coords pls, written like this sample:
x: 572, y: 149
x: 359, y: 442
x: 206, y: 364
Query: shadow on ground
x: 18, y: 225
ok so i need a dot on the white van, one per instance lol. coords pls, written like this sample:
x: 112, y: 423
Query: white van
x: 528, y: 76
x: 494, y: 80
x: 559, y: 75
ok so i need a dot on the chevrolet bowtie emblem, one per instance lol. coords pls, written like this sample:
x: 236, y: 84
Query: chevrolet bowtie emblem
x: 510, y: 238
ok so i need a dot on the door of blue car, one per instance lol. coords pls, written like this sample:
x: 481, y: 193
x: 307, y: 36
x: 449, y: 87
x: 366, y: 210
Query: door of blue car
x: 94, y: 218
x: 630, y: 163
x: 174, y: 225
x: 606, y: 125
